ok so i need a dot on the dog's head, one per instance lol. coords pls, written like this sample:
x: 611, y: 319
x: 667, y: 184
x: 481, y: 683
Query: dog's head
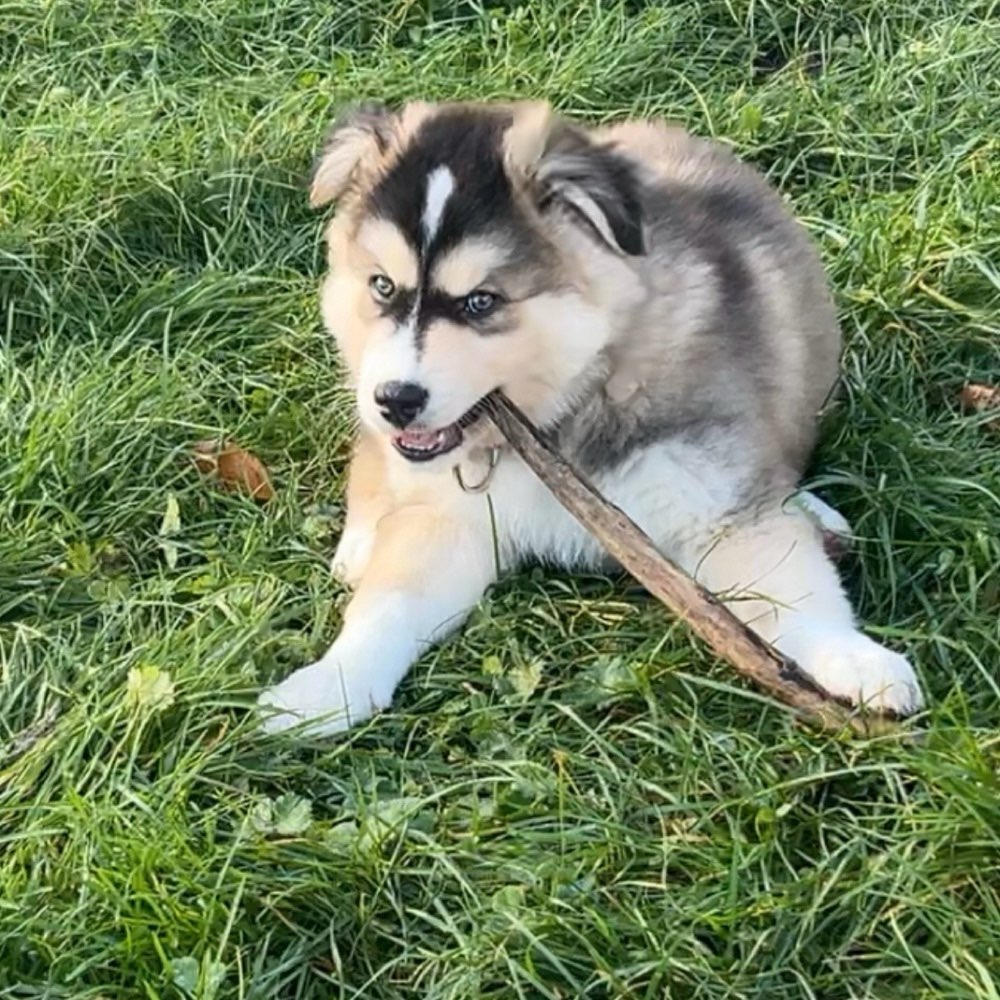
x: 475, y: 247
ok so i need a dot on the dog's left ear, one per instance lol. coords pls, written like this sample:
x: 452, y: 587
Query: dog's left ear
x: 361, y: 132
x: 566, y: 168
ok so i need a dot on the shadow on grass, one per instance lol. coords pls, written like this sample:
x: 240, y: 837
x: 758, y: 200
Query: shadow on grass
x: 230, y: 224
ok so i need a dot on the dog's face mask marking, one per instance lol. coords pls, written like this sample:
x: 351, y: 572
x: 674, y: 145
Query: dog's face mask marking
x: 449, y: 272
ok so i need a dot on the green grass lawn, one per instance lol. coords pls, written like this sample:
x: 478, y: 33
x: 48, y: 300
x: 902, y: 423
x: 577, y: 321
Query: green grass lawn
x: 572, y: 799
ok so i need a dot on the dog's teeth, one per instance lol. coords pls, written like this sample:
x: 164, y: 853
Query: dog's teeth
x: 430, y: 442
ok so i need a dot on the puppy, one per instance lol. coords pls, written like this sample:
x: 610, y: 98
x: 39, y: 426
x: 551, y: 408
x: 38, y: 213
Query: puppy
x: 649, y: 302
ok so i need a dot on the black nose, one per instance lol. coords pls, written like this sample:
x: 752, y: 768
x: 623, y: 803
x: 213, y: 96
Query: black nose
x: 400, y: 402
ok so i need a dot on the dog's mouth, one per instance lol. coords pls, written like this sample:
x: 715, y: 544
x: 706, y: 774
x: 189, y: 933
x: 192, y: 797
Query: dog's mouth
x: 423, y: 445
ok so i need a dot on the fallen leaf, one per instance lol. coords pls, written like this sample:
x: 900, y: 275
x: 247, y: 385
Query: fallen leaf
x: 170, y: 525
x: 170, y: 553
x: 188, y: 975
x: 287, y: 816
x: 292, y: 815
x: 149, y: 687
x: 236, y: 468
x: 214, y: 975
x: 341, y: 836
x: 978, y: 397
x: 184, y: 973
x: 171, y: 522
x: 509, y: 899
x: 262, y: 815
x: 526, y: 678
x: 492, y: 666
x: 387, y: 818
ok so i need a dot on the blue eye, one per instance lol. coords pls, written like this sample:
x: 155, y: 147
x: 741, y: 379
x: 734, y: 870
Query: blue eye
x: 479, y: 303
x: 381, y: 286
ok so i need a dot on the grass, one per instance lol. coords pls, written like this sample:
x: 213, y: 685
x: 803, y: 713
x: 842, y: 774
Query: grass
x: 572, y: 799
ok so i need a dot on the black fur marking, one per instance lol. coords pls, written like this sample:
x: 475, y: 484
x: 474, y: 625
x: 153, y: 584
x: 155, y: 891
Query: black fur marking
x: 740, y: 300
x: 717, y: 224
x: 740, y: 314
x: 400, y: 306
x: 437, y: 305
x: 608, y: 179
x: 601, y: 435
x: 730, y: 206
x: 468, y: 144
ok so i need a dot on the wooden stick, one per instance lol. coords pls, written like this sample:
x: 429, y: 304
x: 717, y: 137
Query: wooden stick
x: 707, y: 616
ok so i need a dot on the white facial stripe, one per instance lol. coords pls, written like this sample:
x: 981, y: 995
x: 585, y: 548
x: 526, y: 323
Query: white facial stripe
x: 440, y: 184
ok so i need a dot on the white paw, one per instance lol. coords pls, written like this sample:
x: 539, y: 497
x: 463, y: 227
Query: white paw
x: 848, y: 664
x: 325, y: 695
x: 352, y: 556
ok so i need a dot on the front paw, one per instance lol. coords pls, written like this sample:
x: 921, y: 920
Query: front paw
x: 849, y: 665
x: 324, y: 698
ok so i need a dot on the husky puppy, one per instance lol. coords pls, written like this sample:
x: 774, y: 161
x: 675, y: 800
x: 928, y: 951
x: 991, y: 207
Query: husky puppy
x: 649, y: 302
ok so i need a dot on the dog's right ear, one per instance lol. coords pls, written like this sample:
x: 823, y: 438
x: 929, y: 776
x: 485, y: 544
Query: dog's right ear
x: 567, y: 169
x: 359, y: 133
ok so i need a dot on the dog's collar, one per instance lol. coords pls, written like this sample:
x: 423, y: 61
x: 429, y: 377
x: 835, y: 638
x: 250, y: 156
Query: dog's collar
x: 493, y: 460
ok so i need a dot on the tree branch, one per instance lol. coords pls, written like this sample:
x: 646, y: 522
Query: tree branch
x: 707, y: 616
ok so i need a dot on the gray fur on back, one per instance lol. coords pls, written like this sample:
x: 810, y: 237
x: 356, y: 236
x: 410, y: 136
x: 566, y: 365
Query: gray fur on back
x: 735, y: 344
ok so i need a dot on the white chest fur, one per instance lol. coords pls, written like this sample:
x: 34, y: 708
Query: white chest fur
x: 674, y: 491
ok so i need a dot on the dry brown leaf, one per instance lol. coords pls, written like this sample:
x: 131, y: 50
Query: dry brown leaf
x: 979, y: 398
x: 235, y: 467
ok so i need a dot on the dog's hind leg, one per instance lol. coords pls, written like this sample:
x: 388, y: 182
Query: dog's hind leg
x: 428, y: 568
x: 776, y: 577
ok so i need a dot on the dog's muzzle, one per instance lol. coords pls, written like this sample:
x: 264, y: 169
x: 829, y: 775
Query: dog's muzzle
x: 422, y: 445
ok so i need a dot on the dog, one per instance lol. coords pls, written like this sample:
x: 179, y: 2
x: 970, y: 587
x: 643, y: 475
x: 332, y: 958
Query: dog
x: 650, y: 303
